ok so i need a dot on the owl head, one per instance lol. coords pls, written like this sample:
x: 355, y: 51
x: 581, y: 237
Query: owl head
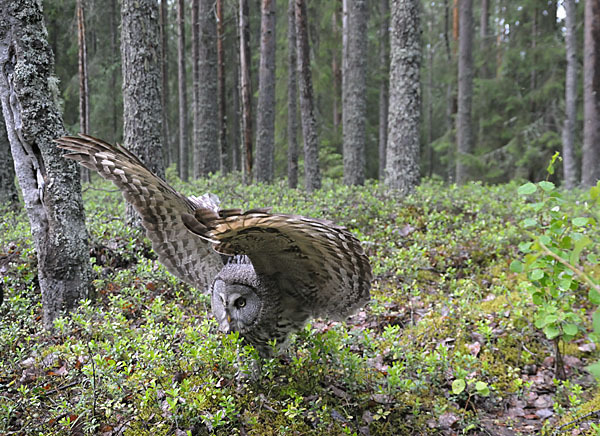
x: 236, y: 300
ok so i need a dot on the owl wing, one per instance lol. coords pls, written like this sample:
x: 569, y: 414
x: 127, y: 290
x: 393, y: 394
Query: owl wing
x: 320, y: 263
x: 185, y: 255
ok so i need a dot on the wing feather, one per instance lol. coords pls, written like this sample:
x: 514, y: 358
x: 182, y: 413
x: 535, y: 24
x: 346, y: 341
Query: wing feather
x: 322, y: 264
x: 161, y: 208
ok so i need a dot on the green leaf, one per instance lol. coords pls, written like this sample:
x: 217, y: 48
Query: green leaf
x: 526, y: 189
x: 550, y: 319
x: 580, y: 221
x: 525, y: 247
x: 596, y: 321
x: 516, y: 266
x: 536, y: 274
x: 528, y: 222
x: 551, y: 331
x: 594, y: 369
x: 579, y: 246
x: 458, y: 386
x: 571, y: 329
x: 538, y: 298
x: 482, y: 388
x: 546, y: 186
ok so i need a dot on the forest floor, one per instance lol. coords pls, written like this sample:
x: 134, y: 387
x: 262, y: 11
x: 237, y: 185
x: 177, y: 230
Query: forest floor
x: 448, y: 344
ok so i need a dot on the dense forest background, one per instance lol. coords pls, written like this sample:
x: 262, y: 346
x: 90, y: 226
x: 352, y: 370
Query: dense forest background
x: 518, y: 89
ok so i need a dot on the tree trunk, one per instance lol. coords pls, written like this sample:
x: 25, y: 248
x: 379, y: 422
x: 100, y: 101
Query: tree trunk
x: 223, y: 147
x: 265, y: 109
x: 430, y: 84
x: 292, y: 127
x: 590, y: 170
x: 354, y: 94
x: 336, y: 72
x: 568, y: 132
x: 164, y: 68
x: 384, y: 64
x: 484, y: 20
x: 402, y: 162
x: 183, y: 162
x: 464, y: 128
x: 8, y: 190
x: 312, y: 174
x: 114, y: 53
x: 50, y: 184
x: 84, y: 92
x: 246, y: 87
x: 142, y: 113
x: 236, y: 152
x: 206, y: 124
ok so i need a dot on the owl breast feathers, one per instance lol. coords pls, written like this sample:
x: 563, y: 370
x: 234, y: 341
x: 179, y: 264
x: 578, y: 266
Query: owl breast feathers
x: 280, y: 270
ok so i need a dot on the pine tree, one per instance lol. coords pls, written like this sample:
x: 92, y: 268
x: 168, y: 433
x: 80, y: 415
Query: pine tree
x: 354, y: 92
x: 464, y: 124
x: 402, y: 161
x: 312, y: 173
x: 590, y: 172
x: 142, y: 114
x: 265, y: 109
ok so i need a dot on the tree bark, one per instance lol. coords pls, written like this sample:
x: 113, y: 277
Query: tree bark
x: 336, y: 72
x: 354, y: 94
x: 246, y: 93
x: 464, y: 128
x: 84, y: 91
x: 50, y: 184
x: 484, y: 20
x: 207, y: 154
x: 236, y: 130
x: 164, y: 96
x: 384, y: 70
x: 142, y: 113
x: 114, y: 53
x: 265, y: 109
x: 590, y: 170
x: 223, y: 146
x: 402, y: 163
x: 183, y: 161
x: 568, y: 131
x: 8, y: 190
x: 312, y: 173
x: 292, y: 127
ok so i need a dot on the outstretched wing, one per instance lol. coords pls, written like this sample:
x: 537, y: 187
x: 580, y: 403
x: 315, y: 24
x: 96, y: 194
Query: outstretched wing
x: 321, y: 263
x: 185, y: 255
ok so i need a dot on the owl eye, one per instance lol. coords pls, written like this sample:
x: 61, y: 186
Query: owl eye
x: 240, y: 302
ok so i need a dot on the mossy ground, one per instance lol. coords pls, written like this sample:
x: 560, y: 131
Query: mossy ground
x: 146, y: 356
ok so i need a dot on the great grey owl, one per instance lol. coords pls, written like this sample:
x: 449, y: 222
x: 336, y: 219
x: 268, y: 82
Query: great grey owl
x: 280, y: 270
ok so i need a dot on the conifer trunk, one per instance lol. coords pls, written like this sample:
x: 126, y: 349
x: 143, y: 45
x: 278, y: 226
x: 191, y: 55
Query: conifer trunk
x: 84, y: 105
x: 354, y: 93
x: 183, y: 161
x: 142, y: 113
x: 207, y: 155
x: 246, y: 91
x: 384, y: 63
x: 591, y: 94
x: 464, y: 127
x: 164, y: 67
x: 292, y: 127
x: 402, y: 162
x: 312, y: 173
x: 223, y: 146
x: 568, y: 132
x: 265, y: 109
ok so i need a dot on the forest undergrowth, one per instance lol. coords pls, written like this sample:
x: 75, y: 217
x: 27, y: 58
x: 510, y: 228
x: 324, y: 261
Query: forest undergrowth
x: 450, y: 343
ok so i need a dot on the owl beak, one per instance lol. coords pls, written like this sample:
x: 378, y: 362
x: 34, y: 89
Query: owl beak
x: 228, y: 318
